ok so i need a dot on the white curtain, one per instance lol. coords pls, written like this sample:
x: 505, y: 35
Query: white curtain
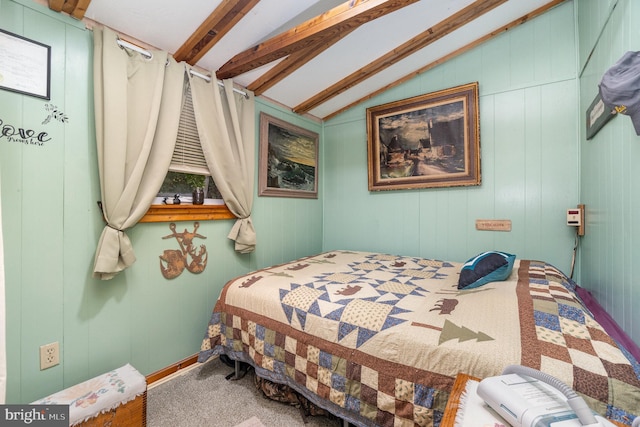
x: 3, y: 349
x: 137, y: 109
x: 226, y: 127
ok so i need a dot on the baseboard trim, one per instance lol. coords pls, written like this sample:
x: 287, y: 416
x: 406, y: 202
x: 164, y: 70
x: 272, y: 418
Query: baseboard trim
x: 171, y: 369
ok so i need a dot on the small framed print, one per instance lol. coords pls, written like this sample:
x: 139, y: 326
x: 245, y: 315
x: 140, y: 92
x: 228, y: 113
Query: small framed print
x: 25, y: 65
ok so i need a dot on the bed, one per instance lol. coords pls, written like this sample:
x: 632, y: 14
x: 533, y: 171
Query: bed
x: 379, y: 339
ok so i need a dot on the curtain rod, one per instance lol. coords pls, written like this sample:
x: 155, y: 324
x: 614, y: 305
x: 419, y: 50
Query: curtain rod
x: 149, y: 55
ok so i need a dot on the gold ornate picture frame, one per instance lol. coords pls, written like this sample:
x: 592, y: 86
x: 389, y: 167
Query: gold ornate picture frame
x: 430, y: 140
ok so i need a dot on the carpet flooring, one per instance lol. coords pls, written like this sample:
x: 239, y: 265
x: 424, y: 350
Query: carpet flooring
x: 251, y: 422
x: 203, y: 397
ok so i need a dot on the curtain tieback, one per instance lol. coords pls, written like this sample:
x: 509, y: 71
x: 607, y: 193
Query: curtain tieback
x: 112, y: 227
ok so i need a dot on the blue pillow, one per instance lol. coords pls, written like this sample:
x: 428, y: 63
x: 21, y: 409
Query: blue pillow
x: 491, y: 266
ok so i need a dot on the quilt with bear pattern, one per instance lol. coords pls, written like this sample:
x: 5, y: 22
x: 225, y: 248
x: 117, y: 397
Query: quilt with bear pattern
x: 378, y: 339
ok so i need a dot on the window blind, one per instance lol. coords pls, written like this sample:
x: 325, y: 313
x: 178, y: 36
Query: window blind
x: 187, y: 155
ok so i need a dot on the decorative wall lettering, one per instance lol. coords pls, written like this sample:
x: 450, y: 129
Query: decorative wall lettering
x: 22, y: 135
x: 30, y: 136
x: 54, y: 113
x: 174, y: 261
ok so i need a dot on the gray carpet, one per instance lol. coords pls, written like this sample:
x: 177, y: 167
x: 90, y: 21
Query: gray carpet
x: 203, y: 397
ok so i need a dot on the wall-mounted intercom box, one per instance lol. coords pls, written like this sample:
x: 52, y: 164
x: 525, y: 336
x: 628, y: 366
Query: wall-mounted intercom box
x: 575, y: 218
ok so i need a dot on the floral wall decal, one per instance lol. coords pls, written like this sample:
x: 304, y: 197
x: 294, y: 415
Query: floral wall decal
x: 54, y: 113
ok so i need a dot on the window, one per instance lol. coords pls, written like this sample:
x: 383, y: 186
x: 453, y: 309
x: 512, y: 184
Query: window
x: 188, y: 170
x: 182, y: 184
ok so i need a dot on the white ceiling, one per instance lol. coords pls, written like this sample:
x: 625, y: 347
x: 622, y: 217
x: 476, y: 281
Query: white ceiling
x: 167, y: 25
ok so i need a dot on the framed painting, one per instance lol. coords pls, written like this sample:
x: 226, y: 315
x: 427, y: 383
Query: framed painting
x: 25, y: 65
x: 288, y: 159
x: 430, y: 140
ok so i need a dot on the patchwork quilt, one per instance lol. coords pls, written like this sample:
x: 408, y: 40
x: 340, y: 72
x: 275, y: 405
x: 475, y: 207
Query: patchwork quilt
x: 378, y: 339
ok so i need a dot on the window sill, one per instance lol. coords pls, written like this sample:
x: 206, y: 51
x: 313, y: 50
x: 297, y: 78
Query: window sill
x: 186, y: 212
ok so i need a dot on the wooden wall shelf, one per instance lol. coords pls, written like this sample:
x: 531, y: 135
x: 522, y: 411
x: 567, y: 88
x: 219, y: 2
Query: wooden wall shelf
x: 186, y: 212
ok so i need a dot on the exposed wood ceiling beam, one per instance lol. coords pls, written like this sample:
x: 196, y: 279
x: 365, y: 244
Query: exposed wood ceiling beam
x: 302, y: 43
x: 441, y: 29
x: 339, y: 19
x: 221, y: 20
x: 80, y: 9
x: 56, y: 5
x: 69, y: 6
x: 75, y: 8
x: 291, y: 63
x: 468, y: 47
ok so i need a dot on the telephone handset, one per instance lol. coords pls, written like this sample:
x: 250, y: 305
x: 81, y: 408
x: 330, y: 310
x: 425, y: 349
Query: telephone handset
x: 526, y: 397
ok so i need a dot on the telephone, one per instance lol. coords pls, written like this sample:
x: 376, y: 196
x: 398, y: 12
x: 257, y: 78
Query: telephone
x: 525, y: 397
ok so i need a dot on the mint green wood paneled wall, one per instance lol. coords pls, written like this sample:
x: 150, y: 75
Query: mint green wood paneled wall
x: 294, y: 225
x: 610, y: 179
x: 51, y: 226
x: 535, y: 164
x: 34, y: 265
x: 528, y: 94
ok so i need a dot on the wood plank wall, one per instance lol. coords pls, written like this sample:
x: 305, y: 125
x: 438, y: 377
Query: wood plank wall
x: 610, y: 177
x: 51, y: 225
x: 529, y: 156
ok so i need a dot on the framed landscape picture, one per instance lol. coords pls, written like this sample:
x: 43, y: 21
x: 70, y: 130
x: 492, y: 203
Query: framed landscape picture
x: 288, y: 159
x: 430, y: 140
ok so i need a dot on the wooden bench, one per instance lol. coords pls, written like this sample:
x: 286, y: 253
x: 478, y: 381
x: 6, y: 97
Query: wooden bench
x: 117, y: 398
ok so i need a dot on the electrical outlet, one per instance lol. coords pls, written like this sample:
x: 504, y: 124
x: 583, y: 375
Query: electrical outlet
x: 49, y: 355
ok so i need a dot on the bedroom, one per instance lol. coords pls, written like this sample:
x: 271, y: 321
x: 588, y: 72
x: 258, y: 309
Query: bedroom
x: 536, y: 163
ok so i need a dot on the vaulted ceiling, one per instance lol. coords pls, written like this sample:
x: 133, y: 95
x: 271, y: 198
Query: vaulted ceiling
x: 318, y: 57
